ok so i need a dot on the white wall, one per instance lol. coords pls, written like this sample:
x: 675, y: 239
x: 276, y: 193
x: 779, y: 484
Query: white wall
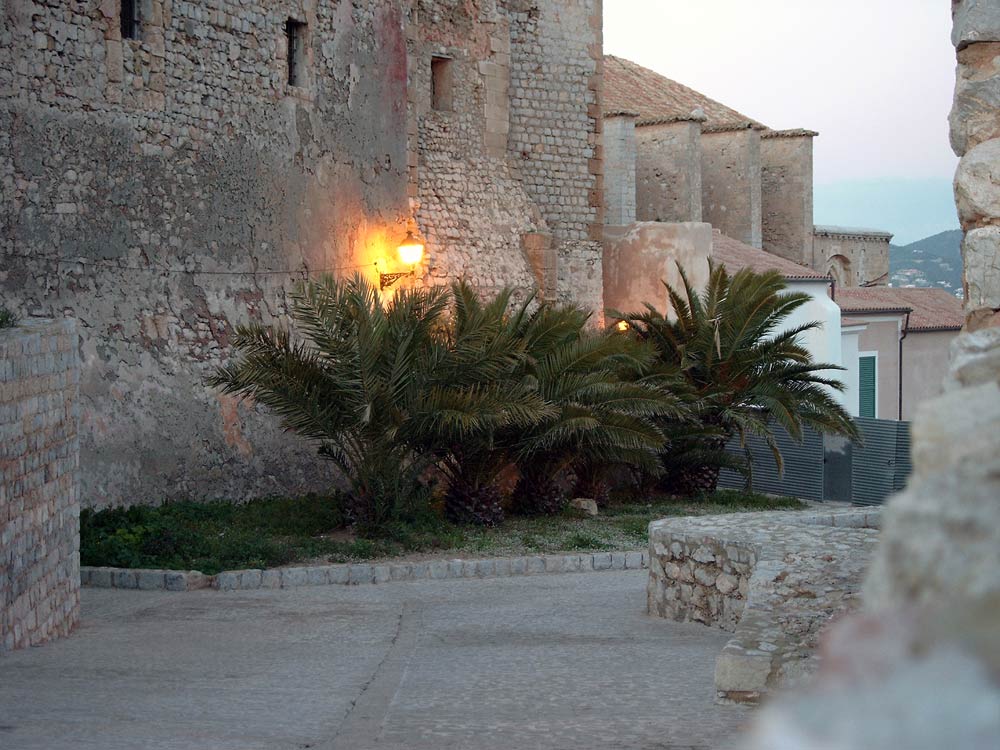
x: 823, y: 343
x: 850, y: 349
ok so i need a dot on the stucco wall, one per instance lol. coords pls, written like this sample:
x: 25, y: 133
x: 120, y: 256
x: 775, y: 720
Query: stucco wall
x: 882, y: 336
x: 731, y: 183
x: 787, y: 196
x: 852, y: 259
x: 668, y: 172
x: 925, y: 365
x: 824, y: 343
x: 640, y: 257
x: 619, y: 170
x: 39, y: 483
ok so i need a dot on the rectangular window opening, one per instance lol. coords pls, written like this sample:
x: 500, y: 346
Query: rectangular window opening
x: 131, y: 19
x: 441, y: 84
x: 295, y: 34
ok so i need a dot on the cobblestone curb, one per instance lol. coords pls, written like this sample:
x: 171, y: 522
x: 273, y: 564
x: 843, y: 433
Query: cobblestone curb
x: 772, y: 579
x: 362, y: 573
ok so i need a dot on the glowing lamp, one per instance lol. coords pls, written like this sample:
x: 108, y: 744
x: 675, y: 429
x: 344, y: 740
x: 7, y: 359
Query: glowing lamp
x: 622, y: 325
x: 410, y: 250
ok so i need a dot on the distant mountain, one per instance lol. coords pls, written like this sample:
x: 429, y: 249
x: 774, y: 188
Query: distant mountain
x: 932, y: 261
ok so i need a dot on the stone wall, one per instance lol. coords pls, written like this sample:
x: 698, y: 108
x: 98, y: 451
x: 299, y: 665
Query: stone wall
x: 471, y: 204
x: 730, y: 183
x: 975, y: 137
x: 167, y: 188
x: 854, y: 257
x: 39, y: 483
x: 638, y: 258
x: 786, y: 159
x: 668, y: 173
x: 555, y: 131
x: 619, y: 170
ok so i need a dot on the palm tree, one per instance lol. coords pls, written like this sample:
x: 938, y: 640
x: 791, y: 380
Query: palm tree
x: 743, y: 372
x: 376, y: 386
x: 603, y: 416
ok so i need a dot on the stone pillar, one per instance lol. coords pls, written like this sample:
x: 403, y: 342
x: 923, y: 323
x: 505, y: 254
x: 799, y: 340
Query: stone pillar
x: 619, y: 169
x: 730, y: 183
x: 975, y: 136
x: 39, y: 483
x: 786, y: 193
x: 668, y: 171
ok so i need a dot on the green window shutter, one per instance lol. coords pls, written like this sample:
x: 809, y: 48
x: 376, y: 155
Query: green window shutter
x: 866, y: 386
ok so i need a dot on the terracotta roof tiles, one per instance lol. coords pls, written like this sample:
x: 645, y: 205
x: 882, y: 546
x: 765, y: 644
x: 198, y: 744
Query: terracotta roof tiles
x: 735, y: 255
x: 930, y: 309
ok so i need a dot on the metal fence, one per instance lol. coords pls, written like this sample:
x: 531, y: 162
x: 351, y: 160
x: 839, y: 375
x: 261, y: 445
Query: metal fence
x: 824, y: 467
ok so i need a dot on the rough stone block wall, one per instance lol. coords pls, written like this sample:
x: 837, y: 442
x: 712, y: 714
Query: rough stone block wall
x: 852, y: 259
x: 668, y: 173
x: 731, y: 183
x: 555, y: 131
x: 975, y: 137
x: 39, y: 483
x: 165, y: 189
x: 786, y: 193
x: 619, y: 170
x: 471, y: 204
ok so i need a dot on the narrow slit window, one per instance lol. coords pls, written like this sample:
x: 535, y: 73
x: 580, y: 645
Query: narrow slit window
x: 295, y: 34
x: 441, y: 83
x: 131, y: 19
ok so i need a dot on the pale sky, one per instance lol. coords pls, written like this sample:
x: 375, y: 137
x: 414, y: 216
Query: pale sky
x: 874, y: 77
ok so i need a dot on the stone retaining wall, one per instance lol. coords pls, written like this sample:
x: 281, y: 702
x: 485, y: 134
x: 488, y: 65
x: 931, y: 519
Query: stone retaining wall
x: 772, y: 579
x: 39, y: 483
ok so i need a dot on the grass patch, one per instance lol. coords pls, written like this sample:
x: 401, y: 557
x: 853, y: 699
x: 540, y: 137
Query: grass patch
x: 271, y: 532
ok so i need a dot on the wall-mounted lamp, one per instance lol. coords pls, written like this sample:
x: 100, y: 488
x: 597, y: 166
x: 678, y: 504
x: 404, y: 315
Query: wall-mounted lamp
x: 410, y: 250
x: 622, y: 325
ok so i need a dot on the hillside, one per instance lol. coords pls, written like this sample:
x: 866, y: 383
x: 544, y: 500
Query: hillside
x: 932, y: 261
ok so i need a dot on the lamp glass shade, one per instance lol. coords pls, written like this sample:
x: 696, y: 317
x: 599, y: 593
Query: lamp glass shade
x: 622, y: 325
x: 411, y: 250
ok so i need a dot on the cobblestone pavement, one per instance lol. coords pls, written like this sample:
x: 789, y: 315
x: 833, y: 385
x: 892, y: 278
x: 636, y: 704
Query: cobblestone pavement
x: 554, y: 662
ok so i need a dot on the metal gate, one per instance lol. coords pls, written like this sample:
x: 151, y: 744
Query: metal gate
x: 830, y: 468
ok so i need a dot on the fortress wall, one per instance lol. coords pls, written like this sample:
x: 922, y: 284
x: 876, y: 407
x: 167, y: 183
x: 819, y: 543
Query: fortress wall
x: 787, y: 196
x: 668, y: 173
x: 731, y: 183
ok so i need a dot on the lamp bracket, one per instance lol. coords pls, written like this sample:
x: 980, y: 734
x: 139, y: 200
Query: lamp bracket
x: 386, y: 280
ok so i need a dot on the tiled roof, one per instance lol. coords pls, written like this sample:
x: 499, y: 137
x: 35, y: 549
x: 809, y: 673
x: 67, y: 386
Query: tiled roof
x: 930, y: 309
x: 793, y: 133
x: 735, y: 255
x: 654, y: 98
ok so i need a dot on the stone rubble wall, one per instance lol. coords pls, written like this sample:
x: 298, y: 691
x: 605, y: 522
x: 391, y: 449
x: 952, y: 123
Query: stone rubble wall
x: 975, y: 137
x: 668, y: 172
x: 39, y: 483
x: 619, y: 170
x: 166, y: 189
x: 775, y: 580
x: 787, y: 196
x: 731, y: 183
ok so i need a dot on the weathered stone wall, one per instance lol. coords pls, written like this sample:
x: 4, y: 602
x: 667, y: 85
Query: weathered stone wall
x: 975, y: 136
x: 668, y: 173
x: 638, y: 258
x: 787, y: 195
x: 168, y: 188
x: 619, y: 170
x: 853, y: 257
x: 555, y: 131
x: 730, y: 183
x: 472, y: 205
x: 39, y: 483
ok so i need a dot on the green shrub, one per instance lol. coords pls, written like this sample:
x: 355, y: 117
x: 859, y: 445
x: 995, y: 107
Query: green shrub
x: 8, y: 319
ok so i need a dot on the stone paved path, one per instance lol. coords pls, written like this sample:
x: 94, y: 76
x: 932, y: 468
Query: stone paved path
x: 555, y: 662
